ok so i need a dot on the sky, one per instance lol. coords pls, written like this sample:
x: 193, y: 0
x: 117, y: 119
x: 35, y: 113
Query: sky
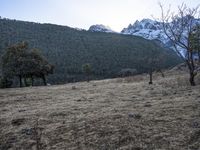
x: 116, y: 14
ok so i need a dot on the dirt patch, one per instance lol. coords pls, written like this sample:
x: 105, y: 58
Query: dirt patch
x: 17, y: 122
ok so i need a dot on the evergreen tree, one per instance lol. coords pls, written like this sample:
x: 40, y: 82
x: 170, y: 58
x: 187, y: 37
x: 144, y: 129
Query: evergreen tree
x: 20, y: 62
x: 87, y: 69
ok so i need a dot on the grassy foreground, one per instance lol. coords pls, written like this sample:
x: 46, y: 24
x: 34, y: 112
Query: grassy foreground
x: 123, y: 113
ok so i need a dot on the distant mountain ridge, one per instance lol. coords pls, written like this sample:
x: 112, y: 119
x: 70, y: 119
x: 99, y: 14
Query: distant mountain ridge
x: 146, y: 28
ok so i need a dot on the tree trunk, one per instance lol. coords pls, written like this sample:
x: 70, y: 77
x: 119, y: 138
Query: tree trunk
x: 162, y: 74
x: 32, y: 81
x: 20, y: 81
x: 192, y: 75
x: 88, y: 78
x: 6, y: 83
x: 191, y: 68
x: 44, y: 80
x: 25, y: 81
x: 150, y: 77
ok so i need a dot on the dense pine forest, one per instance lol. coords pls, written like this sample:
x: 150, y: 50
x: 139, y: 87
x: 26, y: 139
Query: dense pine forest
x: 69, y: 49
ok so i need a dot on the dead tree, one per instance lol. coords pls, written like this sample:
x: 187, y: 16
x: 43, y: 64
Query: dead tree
x: 178, y: 29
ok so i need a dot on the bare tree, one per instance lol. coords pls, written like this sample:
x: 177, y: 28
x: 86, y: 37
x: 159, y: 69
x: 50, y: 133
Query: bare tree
x: 155, y: 60
x: 178, y: 28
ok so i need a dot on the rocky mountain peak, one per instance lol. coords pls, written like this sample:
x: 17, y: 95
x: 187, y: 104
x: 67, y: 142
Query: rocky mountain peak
x: 100, y: 28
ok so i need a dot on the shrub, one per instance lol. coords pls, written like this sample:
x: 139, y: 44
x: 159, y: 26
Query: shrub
x: 127, y: 72
x: 5, y: 83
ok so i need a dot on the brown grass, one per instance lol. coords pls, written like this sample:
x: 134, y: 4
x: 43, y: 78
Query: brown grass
x: 109, y: 114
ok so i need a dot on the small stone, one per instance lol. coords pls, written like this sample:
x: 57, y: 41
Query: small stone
x: 27, y: 131
x: 195, y: 125
x: 133, y: 115
x: 22, y: 110
x: 73, y: 87
x: 147, y: 105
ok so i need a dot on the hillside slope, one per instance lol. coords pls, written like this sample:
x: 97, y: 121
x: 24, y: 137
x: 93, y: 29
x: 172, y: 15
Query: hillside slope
x: 123, y: 113
x: 68, y: 49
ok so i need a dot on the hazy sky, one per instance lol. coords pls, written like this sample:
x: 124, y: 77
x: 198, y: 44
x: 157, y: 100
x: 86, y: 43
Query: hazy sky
x: 82, y: 13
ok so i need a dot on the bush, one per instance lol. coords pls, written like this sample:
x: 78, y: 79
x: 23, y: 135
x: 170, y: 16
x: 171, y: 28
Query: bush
x: 127, y: 72
x: 5, y: 83
x: 27, y: 81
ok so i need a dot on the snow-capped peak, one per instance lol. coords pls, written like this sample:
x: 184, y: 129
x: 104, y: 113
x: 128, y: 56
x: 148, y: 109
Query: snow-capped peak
x: 143, y: 24
x: 148, y: 29
x: 101, y: 28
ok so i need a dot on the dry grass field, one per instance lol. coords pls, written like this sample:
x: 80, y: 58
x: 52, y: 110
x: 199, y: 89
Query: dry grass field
x: 123, y: 114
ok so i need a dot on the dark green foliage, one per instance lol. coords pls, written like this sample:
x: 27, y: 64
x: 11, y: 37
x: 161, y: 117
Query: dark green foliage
x: 68, y: 49
x: 87, y: 69
x: 195, y: 40
x: 14, y: 61
x: 39, y: 66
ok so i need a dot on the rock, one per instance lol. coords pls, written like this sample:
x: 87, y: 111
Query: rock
x: 74, y: 87
x: 27, y: 131
x: 134, y: 115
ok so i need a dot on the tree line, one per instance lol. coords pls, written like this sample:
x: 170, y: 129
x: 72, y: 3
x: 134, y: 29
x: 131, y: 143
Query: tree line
x: 68, y: 50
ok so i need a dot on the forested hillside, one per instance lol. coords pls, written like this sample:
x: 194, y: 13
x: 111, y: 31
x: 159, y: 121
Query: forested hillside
x: 68, y: 49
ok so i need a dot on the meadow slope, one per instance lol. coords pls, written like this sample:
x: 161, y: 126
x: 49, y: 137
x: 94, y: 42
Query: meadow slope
x: 123, y: 113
